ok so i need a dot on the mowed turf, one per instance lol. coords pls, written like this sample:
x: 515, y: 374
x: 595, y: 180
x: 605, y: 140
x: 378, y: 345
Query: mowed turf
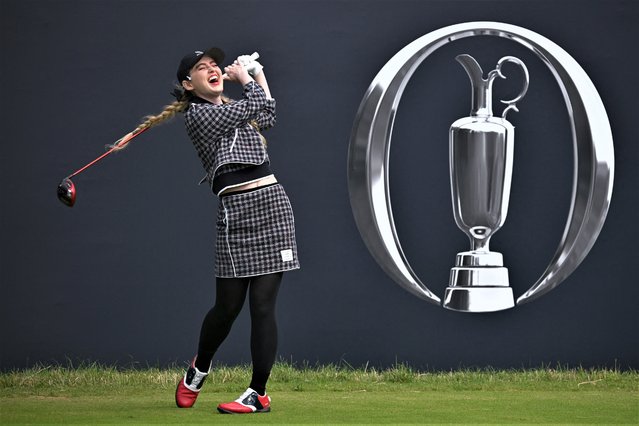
x: 328, y: 395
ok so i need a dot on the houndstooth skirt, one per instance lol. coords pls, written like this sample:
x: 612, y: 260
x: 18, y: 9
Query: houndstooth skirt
x: 255, y: 233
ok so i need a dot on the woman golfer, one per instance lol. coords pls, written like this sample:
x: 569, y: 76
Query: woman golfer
x: 255, y: 226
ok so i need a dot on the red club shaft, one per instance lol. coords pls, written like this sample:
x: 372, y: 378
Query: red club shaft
x: 77, y: 172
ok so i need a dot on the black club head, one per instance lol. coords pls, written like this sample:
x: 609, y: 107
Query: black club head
x: 66, y: 192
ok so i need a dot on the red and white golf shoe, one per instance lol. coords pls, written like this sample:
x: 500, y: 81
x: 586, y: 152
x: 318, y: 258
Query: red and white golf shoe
x: 249, y: 402
x: 189, y: 387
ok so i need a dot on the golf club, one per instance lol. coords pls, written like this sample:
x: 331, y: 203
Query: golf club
x: 66, y: 188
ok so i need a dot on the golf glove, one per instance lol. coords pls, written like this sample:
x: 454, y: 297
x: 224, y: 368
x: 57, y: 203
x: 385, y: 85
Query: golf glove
x: 252, y: 66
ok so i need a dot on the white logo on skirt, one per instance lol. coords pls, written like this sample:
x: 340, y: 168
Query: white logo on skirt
x: 287, y: 255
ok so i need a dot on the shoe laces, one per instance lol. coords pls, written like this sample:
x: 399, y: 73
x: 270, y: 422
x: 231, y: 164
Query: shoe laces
x: 245, y: 395
x: 194, y: 379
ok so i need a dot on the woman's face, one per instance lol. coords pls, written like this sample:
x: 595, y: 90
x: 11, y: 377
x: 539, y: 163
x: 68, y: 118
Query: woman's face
x: 206, y: 80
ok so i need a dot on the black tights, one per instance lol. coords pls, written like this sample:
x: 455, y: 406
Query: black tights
x: 229, y: 299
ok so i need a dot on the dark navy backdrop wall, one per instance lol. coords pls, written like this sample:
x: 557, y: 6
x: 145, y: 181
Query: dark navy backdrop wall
x: 127, y: 274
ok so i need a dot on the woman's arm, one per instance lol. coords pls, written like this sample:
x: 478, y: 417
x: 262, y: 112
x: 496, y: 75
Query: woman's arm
x: 261, y: 80
x: 266, y: 118
x: 212, y: 121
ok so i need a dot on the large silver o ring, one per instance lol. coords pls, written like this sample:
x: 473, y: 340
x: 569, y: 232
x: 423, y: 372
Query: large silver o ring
x: 370, y: 146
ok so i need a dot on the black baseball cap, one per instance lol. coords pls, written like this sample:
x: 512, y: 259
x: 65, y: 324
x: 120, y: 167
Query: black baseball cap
x: 192, y: 58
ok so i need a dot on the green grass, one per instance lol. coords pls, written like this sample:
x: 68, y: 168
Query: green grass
x: 324, y: 394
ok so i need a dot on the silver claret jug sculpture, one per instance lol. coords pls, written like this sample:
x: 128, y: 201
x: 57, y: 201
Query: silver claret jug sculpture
x: 481, y: 161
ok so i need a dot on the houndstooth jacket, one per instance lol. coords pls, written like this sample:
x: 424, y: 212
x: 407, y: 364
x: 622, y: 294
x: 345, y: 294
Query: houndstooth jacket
x: 222, y: 134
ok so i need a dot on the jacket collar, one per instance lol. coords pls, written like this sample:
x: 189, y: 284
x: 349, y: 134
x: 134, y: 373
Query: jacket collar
x: 197, y: 100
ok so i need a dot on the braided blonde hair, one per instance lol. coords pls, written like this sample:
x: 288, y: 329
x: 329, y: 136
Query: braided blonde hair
x: 166, y: 114
x: 169, y: 111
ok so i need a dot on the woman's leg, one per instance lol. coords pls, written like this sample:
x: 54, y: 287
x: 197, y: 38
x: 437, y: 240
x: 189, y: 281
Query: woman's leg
x: 230, y: 294
x: 262, y: 298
